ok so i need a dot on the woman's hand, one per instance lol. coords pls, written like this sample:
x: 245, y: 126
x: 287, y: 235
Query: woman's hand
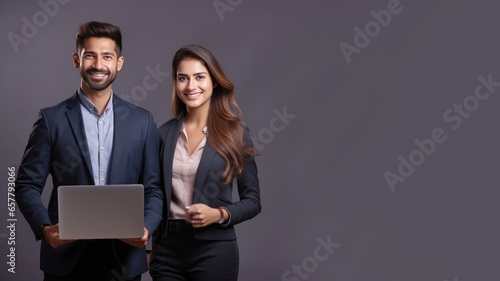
x: 201, y: 215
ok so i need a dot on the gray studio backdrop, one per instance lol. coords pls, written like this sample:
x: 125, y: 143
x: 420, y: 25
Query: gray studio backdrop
x: 377, y: 121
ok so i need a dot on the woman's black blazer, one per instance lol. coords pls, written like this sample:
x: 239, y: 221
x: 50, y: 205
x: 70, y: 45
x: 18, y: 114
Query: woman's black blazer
x: 209, y: 189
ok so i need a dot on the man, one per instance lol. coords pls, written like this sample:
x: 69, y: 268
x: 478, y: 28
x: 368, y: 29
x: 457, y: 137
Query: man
x: 94, y: 137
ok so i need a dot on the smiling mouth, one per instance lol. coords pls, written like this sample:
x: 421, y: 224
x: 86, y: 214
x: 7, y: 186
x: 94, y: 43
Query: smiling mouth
x: 193, y: 96
x: 97, y: 76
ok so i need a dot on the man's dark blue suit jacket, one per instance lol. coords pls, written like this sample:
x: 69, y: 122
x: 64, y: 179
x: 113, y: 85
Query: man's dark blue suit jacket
x: 58, y: 146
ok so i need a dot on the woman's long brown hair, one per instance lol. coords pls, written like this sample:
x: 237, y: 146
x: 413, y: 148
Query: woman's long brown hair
x: 224, y: 125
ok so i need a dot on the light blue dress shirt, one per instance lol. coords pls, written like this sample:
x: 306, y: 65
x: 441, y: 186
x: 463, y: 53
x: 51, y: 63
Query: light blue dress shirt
x: 99, y: 131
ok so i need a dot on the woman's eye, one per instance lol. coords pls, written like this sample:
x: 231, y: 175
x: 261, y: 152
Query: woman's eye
x: 200, y: 77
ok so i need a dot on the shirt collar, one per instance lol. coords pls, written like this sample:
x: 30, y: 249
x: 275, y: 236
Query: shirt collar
x: 91, y: 107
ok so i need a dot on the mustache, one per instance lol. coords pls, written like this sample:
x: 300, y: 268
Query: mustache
x: 95, y: 70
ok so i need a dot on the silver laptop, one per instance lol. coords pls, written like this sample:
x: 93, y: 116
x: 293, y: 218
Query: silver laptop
x: 101, y: 211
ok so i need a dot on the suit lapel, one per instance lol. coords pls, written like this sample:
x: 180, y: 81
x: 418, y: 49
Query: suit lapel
x: 121, y: 113
x: 168, y: 158
x: 203, y: 169
x: 170, y: 144
x: 75, y: 119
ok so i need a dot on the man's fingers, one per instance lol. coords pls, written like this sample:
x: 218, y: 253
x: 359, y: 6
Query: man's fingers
x: 55, y: 242
x: 51, y: 234
x: 136, y: 242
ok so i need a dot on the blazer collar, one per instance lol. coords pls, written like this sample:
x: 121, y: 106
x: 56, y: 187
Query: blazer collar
x: 201, y: 192
x: 203, y: 168
x: 122, y: 112
x: 75, y: 120
x: 171, y: 141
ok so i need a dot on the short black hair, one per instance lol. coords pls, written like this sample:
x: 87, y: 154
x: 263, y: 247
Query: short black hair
x: 100, y: 30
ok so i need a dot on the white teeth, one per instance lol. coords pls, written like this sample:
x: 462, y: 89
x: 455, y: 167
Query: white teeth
x: 193, y: 95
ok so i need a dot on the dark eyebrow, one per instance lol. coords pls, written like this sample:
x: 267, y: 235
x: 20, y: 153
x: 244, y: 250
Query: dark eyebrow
x: 104, y: 53
x: 182, y: 74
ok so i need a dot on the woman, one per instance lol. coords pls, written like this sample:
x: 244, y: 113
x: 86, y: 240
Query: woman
x: 204, y: 149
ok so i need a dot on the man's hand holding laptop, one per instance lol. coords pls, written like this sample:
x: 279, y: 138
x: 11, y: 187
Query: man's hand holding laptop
x: 51, y: 235
x: 138, y: 242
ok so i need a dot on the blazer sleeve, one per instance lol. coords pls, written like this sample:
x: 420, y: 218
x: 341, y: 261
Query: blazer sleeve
x: 32, y: 174
x: 153, y: 195
x: 249, y: 191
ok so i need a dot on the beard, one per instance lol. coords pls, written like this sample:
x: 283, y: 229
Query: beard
x: 97, y: 85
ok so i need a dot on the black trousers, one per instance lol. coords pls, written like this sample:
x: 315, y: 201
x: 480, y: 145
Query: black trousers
x: 96, y: 263
x: 181, y: 257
